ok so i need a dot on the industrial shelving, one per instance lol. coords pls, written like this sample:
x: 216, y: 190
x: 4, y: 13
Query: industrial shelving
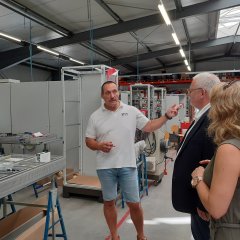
x: 142, y: 97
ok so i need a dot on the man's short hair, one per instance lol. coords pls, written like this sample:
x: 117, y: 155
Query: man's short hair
x: 104, y: 84
x: 206, y: 80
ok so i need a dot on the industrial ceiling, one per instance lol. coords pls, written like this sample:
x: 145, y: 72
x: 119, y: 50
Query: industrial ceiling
x: 129, y: 35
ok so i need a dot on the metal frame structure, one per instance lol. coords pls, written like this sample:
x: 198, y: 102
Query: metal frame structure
x: 142, y: 97
x: 77, y: 73
x: 122, y: 26
x: 159, y: 97
x: 29, y: 171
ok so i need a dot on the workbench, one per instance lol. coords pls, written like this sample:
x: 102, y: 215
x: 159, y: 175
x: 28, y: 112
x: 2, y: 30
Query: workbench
x: 18, y: 171
x: 26, y: 172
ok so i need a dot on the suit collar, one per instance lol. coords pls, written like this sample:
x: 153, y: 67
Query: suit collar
x: 193, y: 131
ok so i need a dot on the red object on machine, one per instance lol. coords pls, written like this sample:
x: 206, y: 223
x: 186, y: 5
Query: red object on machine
x: 185, y: 125
x: 111, y: 74
x: 144, y: 111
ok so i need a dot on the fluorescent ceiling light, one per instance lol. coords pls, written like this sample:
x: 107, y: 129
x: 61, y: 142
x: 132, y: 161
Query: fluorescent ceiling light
x: 189, y: 68
x: 10, y: 37
x: 164, y: 14
x: 74, y: 60
x: 174, y: 35
x: 48, y: 50
x: 186, y: 62
x: 182, y: 53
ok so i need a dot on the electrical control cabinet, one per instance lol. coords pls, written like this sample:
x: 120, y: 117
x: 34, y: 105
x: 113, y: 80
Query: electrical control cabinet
x: 159, y: 102
x: 125, y: 97
x: 142, y: 97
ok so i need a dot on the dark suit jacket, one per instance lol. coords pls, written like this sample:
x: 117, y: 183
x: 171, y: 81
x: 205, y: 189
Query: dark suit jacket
x: 197, y: 146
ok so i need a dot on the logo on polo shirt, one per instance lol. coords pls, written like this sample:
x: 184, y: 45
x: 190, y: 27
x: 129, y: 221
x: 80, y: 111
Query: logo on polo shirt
x: 124, y: 114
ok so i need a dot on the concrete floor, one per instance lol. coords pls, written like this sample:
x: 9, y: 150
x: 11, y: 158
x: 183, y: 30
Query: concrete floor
x: 84, y: 220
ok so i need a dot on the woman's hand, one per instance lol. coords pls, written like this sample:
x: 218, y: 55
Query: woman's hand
x: 203, y: 215
x: 198, y: 172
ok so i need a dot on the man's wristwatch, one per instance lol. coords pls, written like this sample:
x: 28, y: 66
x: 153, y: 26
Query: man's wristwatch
x: 195, y: 181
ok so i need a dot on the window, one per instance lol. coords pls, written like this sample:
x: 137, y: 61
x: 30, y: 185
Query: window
x: 229, y: 20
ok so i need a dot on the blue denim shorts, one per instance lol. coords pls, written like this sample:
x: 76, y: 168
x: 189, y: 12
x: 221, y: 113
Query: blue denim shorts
x: 127, y: 179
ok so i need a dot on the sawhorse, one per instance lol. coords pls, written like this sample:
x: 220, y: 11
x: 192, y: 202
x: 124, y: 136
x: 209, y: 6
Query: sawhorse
x: 3, y: 202
x: 53, y: 203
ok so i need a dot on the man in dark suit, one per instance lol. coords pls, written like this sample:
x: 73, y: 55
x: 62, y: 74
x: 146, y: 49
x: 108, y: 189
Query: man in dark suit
x: 195, y: 146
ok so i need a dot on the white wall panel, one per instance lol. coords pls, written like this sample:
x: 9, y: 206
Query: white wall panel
x: 72, y: 159
x: 55, y: 108
x: 30, y: 107
x: 5, y: 115
x: 72, y: 113
x: 73, y: 128
x: 72, y: 137
x: 56, y: 115
x: 72, y: 89
x: 35, y: 106
x: 91, y: 101
x: 23, y: 73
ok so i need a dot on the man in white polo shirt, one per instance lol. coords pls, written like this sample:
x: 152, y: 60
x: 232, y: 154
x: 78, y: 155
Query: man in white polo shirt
x: 111, y: 132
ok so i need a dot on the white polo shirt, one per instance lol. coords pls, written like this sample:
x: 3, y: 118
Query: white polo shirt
x: 118, y: 127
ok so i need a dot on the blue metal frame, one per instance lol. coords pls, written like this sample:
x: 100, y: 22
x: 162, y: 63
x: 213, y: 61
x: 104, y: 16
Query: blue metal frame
x: 142, y: 175
x: 50, y: 210
x: 9, y: 198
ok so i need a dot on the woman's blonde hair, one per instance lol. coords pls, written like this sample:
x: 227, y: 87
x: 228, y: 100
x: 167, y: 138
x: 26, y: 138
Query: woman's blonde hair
x: 224, y: 113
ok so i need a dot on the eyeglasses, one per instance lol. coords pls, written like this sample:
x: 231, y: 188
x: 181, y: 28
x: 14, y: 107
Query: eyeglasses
x: 189, y: 91
x: 229, y: 84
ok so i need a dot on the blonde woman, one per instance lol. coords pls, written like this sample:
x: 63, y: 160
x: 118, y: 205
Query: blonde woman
x: 220, y: 189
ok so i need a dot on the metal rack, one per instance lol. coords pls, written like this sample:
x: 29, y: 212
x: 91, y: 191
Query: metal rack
x: 89, y: 78
x: 27, y: 139
x: 142, y: 97
x: 159, y: 98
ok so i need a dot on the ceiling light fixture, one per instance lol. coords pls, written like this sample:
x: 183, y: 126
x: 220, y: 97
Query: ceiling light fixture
x: 174, y: 35
x: 182, y: 53
x: 10, y: 37
x: 164, y: 13
x: 74, y: 60
x: 189, y: 68
x: 25, y: 43
x: 48, y: 50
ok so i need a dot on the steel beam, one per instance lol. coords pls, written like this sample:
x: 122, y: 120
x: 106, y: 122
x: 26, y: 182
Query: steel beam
x: 181, y: 63
x: 30, y: 14
x: 175, y: 50
x: 144, y: 22
x: 122, y: 27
